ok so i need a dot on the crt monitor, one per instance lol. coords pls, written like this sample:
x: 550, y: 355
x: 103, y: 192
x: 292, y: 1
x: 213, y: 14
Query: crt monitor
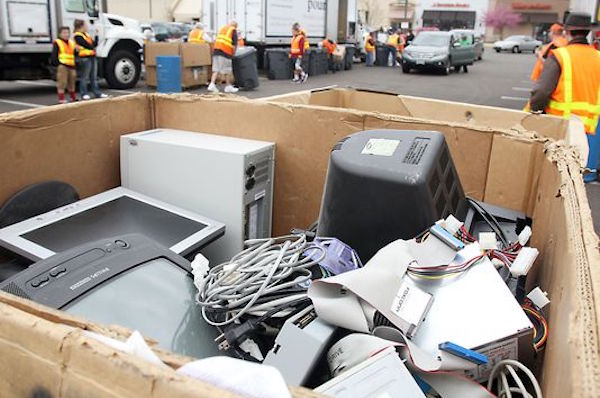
x: 130, y: 281
x: 115, y: 212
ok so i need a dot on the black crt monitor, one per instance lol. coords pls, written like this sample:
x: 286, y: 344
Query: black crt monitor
x: 115, y: 212
x: 130, y: 281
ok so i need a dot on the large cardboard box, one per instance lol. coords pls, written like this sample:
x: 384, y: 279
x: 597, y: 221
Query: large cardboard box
x: 193, y: 54
x: 153, y: 50
x: 194, y: 76
x: 45, y: 350
x: 151, y: 79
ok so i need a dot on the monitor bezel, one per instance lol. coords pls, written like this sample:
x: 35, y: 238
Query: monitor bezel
x: 11, y: 237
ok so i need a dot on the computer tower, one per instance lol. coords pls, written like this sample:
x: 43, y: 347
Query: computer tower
x: 384, y: 185
x: 228, y: 179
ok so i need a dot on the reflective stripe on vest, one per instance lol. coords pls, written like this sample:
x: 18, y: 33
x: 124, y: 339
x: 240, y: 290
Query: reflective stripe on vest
x: 588, y: 112
x: 196, y: 36
x: 224, y: 40
x: 296, y: 50
x: 84, y: 52
x: 66, y: 52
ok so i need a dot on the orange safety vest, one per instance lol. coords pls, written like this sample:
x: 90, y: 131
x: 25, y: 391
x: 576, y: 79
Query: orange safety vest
x: 224, y: 40
x: 393, y: 40
x: 306, y: 43
x: 66, y: 52
x: 578, y: 89
x: 196, y: 36
x: 296, y: 50
x: 84, y: 52
x: 329, y: 46
x: 368, y: 46
x: 546, y: 51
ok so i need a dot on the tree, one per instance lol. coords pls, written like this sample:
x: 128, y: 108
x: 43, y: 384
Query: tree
x: 501, y: 17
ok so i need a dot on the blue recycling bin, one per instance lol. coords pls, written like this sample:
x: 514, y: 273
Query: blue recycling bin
x: 594, y: 155
x: 168, y: 74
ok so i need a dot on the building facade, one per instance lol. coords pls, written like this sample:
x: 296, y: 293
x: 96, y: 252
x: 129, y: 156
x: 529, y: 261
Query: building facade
x: 377, y: 14
x: 451, y: 14
x: 536, y: 17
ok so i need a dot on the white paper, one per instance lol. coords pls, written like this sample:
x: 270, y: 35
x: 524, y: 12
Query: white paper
x: 380, y: 147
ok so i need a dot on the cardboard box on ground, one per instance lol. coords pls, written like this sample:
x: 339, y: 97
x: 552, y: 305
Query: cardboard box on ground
x: 45, y: 349
x: 195, y: 62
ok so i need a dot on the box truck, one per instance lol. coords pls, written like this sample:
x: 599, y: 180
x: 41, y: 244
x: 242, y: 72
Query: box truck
x: 269, y: 22
x: 29, y: 27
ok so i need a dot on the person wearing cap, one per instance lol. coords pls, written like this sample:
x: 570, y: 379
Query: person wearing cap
x: 196, y: 35
x: 223, y: 53
x: 570, y: 82
x: 558, y: 39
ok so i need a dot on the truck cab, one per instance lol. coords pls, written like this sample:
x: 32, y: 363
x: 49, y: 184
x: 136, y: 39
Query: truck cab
x: 29, y: 27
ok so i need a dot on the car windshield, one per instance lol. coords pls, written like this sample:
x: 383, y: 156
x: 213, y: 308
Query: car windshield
x: 513, y: 38
x: 432, y: 40
x: 159, y: 29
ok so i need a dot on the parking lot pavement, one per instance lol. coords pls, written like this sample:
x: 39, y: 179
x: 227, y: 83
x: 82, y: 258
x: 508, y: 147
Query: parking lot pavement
x: 499, y: 80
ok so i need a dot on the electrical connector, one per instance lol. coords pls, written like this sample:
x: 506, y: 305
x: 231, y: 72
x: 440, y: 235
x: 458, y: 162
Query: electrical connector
x: 538, y: 297
x: 235, y: 335
x: 452, y: 224
x: 445, y: 236
x: 524, y: 261
x: 488, y: 241
x: 525, y: 235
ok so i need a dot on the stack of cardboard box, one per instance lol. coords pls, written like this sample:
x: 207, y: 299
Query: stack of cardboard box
x: 195, y: 62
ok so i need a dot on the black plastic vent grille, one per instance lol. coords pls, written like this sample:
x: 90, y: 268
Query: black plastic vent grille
x: 13, y: 288
x: 444, y: 188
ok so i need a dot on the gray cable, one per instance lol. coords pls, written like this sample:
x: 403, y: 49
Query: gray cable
x: 263, y: 268
x: 507, y: 365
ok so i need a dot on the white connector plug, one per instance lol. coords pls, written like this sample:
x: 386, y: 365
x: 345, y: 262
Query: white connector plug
x: 488, y: 241
x: 524, y: 261
x: 525, y: 235
x: 538, y: 297
x: 452, y: 224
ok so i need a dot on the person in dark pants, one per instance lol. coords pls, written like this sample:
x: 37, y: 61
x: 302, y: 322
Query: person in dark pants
x: 88, y: 65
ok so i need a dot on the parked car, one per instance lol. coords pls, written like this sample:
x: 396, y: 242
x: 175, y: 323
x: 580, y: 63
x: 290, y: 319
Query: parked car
x: 182, y: 30
x: 517, y: 44
x: 440, y: 50
x: 161, y: 33
x: 476, y: 41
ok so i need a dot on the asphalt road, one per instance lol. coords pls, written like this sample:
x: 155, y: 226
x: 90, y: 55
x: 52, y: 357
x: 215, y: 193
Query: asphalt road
x: 499, y: 80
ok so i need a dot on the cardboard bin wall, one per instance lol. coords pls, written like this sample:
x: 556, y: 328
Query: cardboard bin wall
x: 79, y: 145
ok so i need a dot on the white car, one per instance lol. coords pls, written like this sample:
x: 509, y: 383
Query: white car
x: 517, y: 44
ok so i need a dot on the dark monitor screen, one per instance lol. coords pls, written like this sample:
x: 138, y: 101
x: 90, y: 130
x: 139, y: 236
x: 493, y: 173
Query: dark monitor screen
x: 156, y: 298
x: 120, y: 216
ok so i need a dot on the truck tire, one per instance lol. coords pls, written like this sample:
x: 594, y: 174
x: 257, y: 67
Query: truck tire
x: 122, y: 70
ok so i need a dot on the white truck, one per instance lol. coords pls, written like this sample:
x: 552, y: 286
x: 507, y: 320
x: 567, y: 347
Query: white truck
x: 29, y: 27
x: 269, y: 22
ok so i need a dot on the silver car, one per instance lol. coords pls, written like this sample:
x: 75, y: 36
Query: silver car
x: 517, y: 44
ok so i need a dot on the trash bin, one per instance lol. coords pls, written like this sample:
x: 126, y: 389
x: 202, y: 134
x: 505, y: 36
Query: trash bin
x: 317, y: 63
x: 245, y: 68
x: 349, y: 58
x: 168, y: 74
x: 381, y: 55
x: 278, y: 64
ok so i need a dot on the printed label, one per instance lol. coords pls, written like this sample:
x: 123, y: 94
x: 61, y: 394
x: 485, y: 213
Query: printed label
x: 380, y: 147
x: 416, y: 151
x: 507, y: 349
x: 260, y: 195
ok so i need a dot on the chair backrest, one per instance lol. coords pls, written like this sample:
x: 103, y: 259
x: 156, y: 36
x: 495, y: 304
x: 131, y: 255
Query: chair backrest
x: 36, y: 199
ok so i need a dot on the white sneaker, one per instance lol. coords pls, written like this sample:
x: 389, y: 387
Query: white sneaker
x: 213, y: 88
x: 295, y: 80
x: 304, y: 78
x: 85, y: 97
x: 231, y: 89
x: 102, y: 96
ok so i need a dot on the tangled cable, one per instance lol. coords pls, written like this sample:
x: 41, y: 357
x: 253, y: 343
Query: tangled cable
x: 507, y: 367
x: 246, y: 283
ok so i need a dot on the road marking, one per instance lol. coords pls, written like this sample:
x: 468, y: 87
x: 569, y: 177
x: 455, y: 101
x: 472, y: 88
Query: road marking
x: 19, y: 103
x: 505, y: 97
x: 521, y: 89
x: 35, y: 83
x: 526, y: 81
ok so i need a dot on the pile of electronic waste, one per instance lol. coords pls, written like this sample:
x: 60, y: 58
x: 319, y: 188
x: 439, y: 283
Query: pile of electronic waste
x: 403, y: 287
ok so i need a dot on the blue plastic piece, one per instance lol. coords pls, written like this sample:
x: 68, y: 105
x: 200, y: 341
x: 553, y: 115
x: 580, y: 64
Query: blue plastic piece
x: 445, y: 237
x: 168, y: 74
x: 464, y: 353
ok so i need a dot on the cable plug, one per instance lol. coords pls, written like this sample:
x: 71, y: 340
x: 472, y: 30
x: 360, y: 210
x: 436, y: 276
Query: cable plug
x: 236, y: 334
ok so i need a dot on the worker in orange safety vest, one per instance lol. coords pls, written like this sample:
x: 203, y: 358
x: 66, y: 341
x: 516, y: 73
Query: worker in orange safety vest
x: 558, y: 39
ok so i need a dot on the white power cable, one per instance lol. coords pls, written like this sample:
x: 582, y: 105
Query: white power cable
x: 263, y: 268
x: 506, y: 367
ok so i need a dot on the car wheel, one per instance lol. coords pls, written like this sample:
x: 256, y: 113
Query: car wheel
x: 497, y: 50
x: 405, y: 69
x: 515, y: 49
x: 465, y: 69
x: 447, y: 68
x: 480, y: 58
